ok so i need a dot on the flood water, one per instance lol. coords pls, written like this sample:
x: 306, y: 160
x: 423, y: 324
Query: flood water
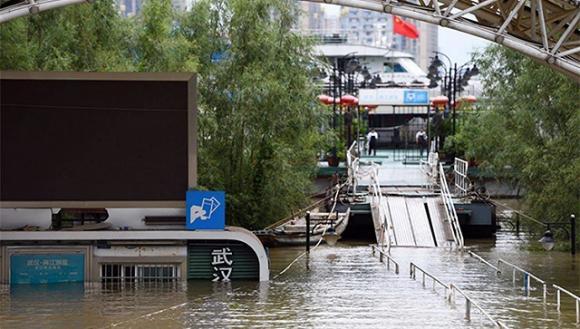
x: 343, y: 286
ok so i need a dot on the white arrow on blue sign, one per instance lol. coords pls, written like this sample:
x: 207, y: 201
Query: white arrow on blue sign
x: 206, y: 210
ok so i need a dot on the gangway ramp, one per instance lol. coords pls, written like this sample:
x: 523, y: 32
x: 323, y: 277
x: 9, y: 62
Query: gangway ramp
x: 416, y: 221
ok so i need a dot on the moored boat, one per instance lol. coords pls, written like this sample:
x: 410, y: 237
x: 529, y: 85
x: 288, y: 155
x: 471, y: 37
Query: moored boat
x: 293, y: 231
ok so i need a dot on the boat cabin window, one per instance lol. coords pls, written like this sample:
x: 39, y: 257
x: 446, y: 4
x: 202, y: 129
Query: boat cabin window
x: 390, y: 67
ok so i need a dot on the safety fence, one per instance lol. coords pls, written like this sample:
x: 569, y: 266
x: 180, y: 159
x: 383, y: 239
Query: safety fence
x: 384, y: 255
x: 527, y: 277
x: 559, y: 290
x: 469, y: 302
x: 430, y: 169
x: 451, y: 291
x: 450, y: 213
x: 481, y: 259
x: 461, y: 181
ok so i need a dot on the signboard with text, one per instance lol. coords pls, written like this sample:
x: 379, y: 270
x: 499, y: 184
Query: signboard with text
x: 47, y: 268
x: 205, y: 210
x: 393, y: 96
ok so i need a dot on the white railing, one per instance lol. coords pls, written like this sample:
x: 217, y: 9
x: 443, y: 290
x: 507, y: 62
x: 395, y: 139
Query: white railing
x: 460, y: 167
x: 413, y: 274
x: 453, y: 289
x: 558, y: 291
x: 383, y: 255
x: 354, y: 170
x: 450, y: 213
x: 526, y: 276
x: 450, y: 291
x: 527, y: 285
x: 481, y: 259
x: 377, y: 201
x: 352, y: 166
x: 429, y: 168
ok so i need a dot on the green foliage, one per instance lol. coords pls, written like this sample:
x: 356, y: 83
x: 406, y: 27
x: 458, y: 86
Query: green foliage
x: 258, y: 120
x: 527, y: 128
x: 259, y: 128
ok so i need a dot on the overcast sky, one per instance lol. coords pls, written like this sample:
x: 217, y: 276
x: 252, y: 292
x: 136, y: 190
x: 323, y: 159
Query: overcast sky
x: 457, y: 45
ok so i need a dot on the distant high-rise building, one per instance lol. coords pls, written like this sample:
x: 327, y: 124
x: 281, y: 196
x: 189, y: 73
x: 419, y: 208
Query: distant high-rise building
x: 130, y: 8
x: 376, y: 29
x: 312, y: 17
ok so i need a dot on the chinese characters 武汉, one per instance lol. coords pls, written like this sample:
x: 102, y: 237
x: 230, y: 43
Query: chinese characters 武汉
x: 222, y: 264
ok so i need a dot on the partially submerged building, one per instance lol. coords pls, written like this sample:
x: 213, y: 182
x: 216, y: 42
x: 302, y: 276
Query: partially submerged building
x: 94, y: 172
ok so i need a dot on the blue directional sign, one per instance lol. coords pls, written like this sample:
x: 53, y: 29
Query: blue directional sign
x: 206, y: 210
x: 416, y: 97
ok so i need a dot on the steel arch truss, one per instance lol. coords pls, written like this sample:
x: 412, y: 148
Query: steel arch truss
x: 545, y: 30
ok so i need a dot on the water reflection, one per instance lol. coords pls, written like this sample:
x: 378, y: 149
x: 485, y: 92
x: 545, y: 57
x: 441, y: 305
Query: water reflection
x: 344, y: 287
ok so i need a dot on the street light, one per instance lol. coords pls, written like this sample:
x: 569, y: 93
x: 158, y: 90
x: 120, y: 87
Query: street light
x: 548, y: 242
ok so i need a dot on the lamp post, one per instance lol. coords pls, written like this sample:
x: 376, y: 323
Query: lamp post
x: 548, y: 242
x: 454, y: 79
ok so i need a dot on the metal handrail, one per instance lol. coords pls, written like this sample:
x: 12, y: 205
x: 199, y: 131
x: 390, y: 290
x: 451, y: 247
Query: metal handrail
x: 429, y: 168
x: 377, y: 196
x: 461, y: 183
x: 413, y: 274
x: 526, y: 275
x: 560, y: 289
x: 353, y: 168
x: 382, y: 255
x: 468, y: 303
x: 450, y: 290
x: 450, y: 212
x: 481, y: 259
x: 352, y: 165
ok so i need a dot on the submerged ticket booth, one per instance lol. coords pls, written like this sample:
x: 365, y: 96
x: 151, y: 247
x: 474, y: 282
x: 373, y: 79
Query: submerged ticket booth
x: 94, y: 169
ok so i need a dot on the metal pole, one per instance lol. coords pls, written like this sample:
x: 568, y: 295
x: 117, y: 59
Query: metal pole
x: 573, y: 234
x: 334, y: 92
x: 467, y: 309
x: 358, y: 122
x: 308, y: 232
x: 558, y: 299
x: 454, y: 93
x: 517, y: 224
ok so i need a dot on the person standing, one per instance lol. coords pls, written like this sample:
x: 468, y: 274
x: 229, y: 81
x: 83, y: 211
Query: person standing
x: 372, y: 138
x: 421, y: 139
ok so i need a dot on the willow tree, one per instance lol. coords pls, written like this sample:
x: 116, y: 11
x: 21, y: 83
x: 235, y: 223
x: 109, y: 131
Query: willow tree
x: 87, y: 37
x: 259, y: 124
x: 527, y: 129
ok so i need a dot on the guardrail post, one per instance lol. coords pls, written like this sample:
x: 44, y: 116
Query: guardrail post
x: 527, y: 284
x: 514, y: 276
x: 558, y: 299
x: 467, y: 309
x: 373, y: 249
x: 545, y: 292
x: 381, y: 256
x: 396, y: 268
x: 388, y: 263
x: 577, y: 310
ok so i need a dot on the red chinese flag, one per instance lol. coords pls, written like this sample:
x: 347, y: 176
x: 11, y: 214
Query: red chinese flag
x: 404, y: 28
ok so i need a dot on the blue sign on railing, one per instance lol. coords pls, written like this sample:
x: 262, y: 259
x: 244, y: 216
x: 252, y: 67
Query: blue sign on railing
x: 416, y: 97
x: 47, y: 268
x: 206, y: 210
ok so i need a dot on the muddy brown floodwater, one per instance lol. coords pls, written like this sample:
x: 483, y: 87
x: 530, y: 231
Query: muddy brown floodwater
x: 344, y: 286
